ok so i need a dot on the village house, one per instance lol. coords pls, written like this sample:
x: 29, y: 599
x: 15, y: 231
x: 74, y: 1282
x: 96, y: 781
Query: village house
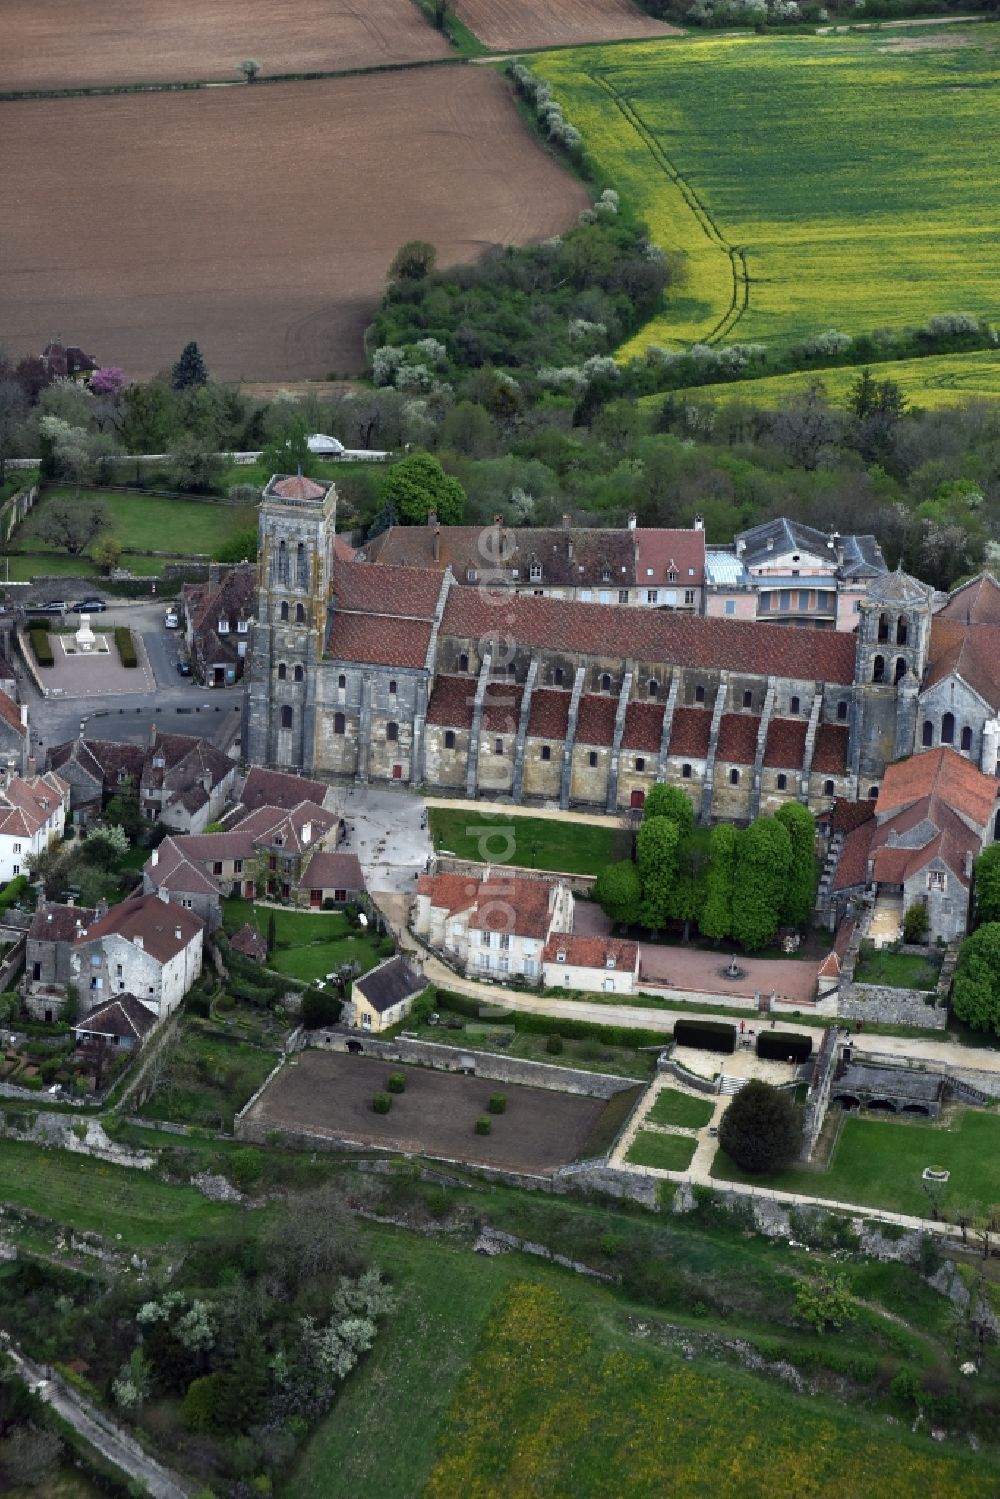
x: 33, y: 812
x: 605, y: 964
x: 121, y: 1024
x: 181, y: 780
x: 279, y: 788
x: 383, y: 997
x: 174, y: 875
x: 218, y: 616
x: 147, y: 947
x: 496, y: 927
x: 47, y: 960
x: 15, y: 739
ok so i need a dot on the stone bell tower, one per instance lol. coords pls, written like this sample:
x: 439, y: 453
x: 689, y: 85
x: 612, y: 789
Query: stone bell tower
x: 894, y: 631
x: 295, y: 550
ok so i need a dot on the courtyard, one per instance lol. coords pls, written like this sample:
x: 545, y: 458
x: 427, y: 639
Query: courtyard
x: 91, y: 674
x: 329, y: 1094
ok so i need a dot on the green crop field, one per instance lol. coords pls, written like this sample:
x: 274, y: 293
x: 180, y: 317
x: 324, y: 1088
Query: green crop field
x: 810, y: 182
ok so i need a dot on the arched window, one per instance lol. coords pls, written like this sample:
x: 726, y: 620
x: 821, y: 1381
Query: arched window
x: 653, y: 687
x: 286, y: 718
x: 605, y: 681
x: 782, y: 781
x: 341, y: 680
x: 927, y: 734
x: 872, y: 793
x: 948, y: 729
x: 299, y: 674
x: 883, y: 627
x: 300, y: 614
x: 463, y: 662
x: 339, y: 723
x: 902, y: 630
x: 734, y: 777
x: 900, y: 671
x: 878, y: 670
x: 699, y: 694
x: 301, y: 571
x: 449, y: 738
x: 686, y: 774
x: 748, y: 699
x: 282, y: 562
x: 392, y: 687
x: 284, y: 613
x: 967, y: 738
x: 794, y: 705
x: 827, y: 788
x: 392, y: 732
x: 842, y: 709
x: 282, y: 671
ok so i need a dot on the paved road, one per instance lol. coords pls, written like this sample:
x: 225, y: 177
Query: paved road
x: 386, y: 830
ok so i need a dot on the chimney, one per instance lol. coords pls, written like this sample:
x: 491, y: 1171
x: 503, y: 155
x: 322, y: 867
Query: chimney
x: 139, y: 943
x: 177, y: 934
x: 71, y: 901
x: 432, y: 517
x: 24, y: 715
x: 101, y: 910
x: 699, y: 523
x: 48, y: 917
x: 632, y: 519
x: 214, y: 574
x: 164, y: 895
x: 152, y: 736
x: 567, y: 520
x: 437, y: 543
x: 154, y: 857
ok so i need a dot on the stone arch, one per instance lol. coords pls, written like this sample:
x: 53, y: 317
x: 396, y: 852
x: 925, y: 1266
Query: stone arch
x: 286, y: 717
x: 916, y: 1108
x: 298, y: 674
x: 902, y: 630
x: 900, y: 671
x: 284, y: 611
x: 878, y: 669
x: 966, y: 738
x: 301, y: 566
x: 927, y: 734
x: 282, y: 562
x: 883, y: 1105
x: 847, y: 1101
x: 948, y: 728
x: 282, y: 671
x: 883, y: 627
x: 339, y: 723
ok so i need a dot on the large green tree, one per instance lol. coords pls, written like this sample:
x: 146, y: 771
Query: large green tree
x: 800, y: 883
x: 417, y: 485
x: 976, y: 995
x: 189, y: 369
x: 657, y: 857
x: 761, y: 1130
x: 669, y: 801
x: 287, y: 452
x: 618, y: 891
x: 716, y: 918
x: 759, y: 885
x: 988, y: 884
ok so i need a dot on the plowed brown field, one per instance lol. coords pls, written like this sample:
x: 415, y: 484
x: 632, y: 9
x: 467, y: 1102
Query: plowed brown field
x: 506, y: 24
x: 67, y: 43
x: 259, y: 221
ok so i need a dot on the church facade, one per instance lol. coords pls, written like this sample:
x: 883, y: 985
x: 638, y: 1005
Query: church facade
x: 384, y: 673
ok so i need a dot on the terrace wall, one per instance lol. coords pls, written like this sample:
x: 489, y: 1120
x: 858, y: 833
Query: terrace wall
x: 883, y: 1005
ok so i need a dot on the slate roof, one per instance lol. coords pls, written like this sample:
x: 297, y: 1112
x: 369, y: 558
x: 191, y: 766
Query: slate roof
x: 155, y: 920
x: 643, y: 727
x: 737, y: 744
x: 389, y: 984
x: 332, y: 871
x: 785, y: 746
x: 690, y: 732
x: 568, y: 556
x: 122, y: 1016
x: 899, y: 588
x: 591, y: 952
x: 279, y: 788
x: 862, y: 554
x: 595, y: 723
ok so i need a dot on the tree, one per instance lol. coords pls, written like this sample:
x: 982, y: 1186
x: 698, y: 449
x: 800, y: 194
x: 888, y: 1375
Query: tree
x: 288, y: 450
x: 418, y: 484
x: 716, y: 918
x: 107, y: 552
x: 656, y: 847
x: 190, y: 369
x: 250, y: 68
x: 107, y: 385
x: 272, y: 933
x: 669, y: 801
x: 13, y: 410
x: 244, y: 1388
x: 413, y: 261
x: 72, y: 452
x: 807, y: 426
x: 319, y: 1008
x: 70, y: 524
x: 123, y: 812
x: 761, y: 1130
x: 988, y: 884
x: 383, y: 521
x: 241, y: 547
x: 149, y: 421
x: 976, y: 995
x: 468, y: 430
x: 759, y: 883
x: 915, y: 923
x: 196, y: 464
x: 825, y: 1301
x: 618, y: 891
x: 800, y: 883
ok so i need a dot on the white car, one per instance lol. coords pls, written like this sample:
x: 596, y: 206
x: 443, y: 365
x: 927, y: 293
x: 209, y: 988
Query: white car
x: 172, y: 620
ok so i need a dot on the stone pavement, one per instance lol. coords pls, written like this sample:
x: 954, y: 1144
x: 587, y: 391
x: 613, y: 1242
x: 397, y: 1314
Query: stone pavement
x: 698, y: 972
x: 482, y: 808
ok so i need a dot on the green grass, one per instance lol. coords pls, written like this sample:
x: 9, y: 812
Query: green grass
x: 674, y: 1107
x: 308, y: 945
x: 147, y: 523
x: 900, y: 969
x: 206, y: 1080
x: 850, y: 178
x: 665, y: 1152
x: 591, y: 1056
x: 878, y: 1163
x: 534, y: 842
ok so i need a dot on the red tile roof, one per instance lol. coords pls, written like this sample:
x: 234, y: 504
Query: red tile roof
x: 847, y: 815
x: 513, y: 905
x: 643, y: 727
x: 595, y: 723
x: 690, y: 732
x: 737, y: 744
x: 502, y: 708
x: 378, y: 641
x: 549, y: 714
x: 154, y: 920
x: 830, y: 756
x: 965, y: 638
x: 591, y: 952
x: 279, y: 788
x: 11, y: 714
x: 852, y: 866
x: 661, y: 550
x: 250, y: 942
x: 297, y: 487
x: 452, y: 702
x: 449, y: 892
x: 653, y: 635
x: 407, y: 592
x: 943, y: 774
x: 567, y: 556
x: 944, y: 837
x: 976, y: 602
x: 786, y: 743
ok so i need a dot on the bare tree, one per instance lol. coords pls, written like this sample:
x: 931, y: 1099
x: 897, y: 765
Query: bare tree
x: 72, y: 525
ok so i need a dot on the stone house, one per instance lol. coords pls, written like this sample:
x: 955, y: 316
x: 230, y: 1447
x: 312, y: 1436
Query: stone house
x: 180, y: 779
x: 173, y: 875
x: 604, y: 964
x: 383, y: 997
x: 331, y: 876
x: 15, y: 739
x: 148, y: 947
x: 47, y: 960
x: 33, y: 813
x: 276, y: 788
x: 122, y: 1023
x: 218, y: 616
x: 496, y: 927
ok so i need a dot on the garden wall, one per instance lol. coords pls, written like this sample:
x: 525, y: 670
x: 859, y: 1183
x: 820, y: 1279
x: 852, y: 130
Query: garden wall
x: 580, y: 884
x: 883, y: 1005
x: 78, y: 1136
x: 818, y: 1096
x: 484, y: 1064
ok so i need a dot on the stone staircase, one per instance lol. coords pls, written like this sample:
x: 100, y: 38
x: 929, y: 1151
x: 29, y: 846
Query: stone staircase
x: 730, y: 1085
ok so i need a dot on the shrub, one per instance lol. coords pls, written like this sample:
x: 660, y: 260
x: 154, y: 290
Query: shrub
x: 497, y: 1103
x: 41, y: 646
x: 126, y: 646
x: 13, y: 891
x: 246, y: 1166
x: 554, y: 1045
x: 761, y: 1130
x: 707, y: 1035
x: 915, y: 923
x: 483, y: 1125
x: 382, y: 1103
x: 319, y: 1008
x: 396, y: 1083
x: 201, y: 1402
x: 780, y: 1045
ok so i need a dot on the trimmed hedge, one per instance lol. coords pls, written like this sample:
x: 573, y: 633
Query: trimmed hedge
x: 780, y: 1045
x: 549, y: 1025
x: 41, y: 646
x: 382, y: 1103
x: 126, y: 646
x: 706, y: 1035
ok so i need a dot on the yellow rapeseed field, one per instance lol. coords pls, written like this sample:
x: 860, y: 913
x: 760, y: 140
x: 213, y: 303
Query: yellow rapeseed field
x: 810, y: 182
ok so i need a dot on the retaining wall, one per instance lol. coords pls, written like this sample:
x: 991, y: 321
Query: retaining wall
x: 78, y: 1136
x: 887, y: 1006
x: 818, y: 1096
x: 580, y: 884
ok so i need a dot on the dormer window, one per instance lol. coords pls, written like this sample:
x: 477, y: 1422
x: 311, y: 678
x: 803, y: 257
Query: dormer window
x: 158, y: 762
x: 223, y: 627
x: 242, y: 626
x: 535, y: 572
x: 605, y: 575
x: 471, y: 575
x: 561, y: 955
x: 672, y: 575
x: 609, y: 961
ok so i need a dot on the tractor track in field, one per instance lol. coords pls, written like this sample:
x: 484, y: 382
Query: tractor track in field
x: 739, y: 302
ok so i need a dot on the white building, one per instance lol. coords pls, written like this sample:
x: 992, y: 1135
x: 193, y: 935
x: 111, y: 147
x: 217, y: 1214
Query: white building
x: 492, y: 928
x: 148, y: 947
x: 32, y: 816
x: 602, y: 964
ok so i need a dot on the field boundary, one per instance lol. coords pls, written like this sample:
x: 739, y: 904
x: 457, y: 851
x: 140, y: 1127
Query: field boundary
x: 739, y: 302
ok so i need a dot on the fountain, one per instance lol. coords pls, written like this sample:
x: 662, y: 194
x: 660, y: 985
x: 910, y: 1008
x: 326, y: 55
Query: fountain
x: 733, y: 971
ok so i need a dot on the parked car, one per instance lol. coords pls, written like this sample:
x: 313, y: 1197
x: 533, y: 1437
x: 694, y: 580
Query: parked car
x: 53, y: 606
x: 184, y: 668
x: 171, y: 619
x: 89, y: 606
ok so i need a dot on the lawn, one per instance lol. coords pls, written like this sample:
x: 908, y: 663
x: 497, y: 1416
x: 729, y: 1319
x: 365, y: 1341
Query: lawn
x: 555, y: 1403
x: 534, y: 842
x: 674, y: 1107
x: 207, y: 1079
x: 308, y: 944
x: 879, y: 1163
x: 664, y: 1152
x: 877, y: 965
x: 148, y: 523
x: 591, y: 1056
x: 810, y: 182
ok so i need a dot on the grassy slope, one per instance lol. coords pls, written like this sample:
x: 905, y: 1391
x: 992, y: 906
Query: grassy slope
x: 879, y: 1162
x: 856, y: 179
x: 571, y: 848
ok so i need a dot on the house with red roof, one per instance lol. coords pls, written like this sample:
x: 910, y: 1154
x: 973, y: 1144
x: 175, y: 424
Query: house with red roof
x: 607, y: 965
x: 492, y: 927
x: 33, y: 812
